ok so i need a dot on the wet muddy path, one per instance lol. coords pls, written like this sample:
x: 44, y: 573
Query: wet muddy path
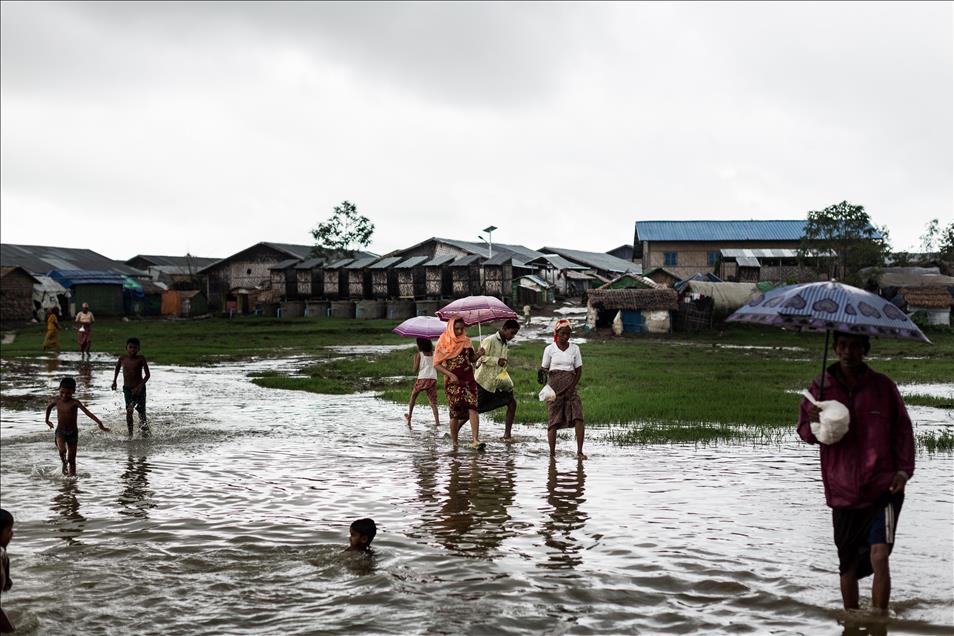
x: 233, y: 516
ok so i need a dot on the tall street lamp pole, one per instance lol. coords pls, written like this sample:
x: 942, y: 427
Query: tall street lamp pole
x: 490, y: 240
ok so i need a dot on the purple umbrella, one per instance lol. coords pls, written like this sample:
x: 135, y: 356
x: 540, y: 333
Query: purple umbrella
x: 828, y: 306
x: 476, y: 310
x: 421, y: 327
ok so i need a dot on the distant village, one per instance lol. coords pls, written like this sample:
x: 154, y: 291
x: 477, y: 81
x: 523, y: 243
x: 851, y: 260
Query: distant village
x: 676, y: 275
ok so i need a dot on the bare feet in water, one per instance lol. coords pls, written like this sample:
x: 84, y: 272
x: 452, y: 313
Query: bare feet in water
x: 407, y: 419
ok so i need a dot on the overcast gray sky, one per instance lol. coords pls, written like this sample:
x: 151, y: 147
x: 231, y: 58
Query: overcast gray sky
x: 174, y: 127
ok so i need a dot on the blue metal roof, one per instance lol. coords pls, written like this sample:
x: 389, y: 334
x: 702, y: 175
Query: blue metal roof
x: 720, y: 230
x: 69, y: 277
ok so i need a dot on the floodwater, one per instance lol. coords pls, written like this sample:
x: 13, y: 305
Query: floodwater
x: 232, y: 518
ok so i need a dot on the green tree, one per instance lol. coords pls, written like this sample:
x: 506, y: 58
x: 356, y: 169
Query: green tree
x: 931, y: 236
x: 844, y: 241
x: 945, y: 243
x: 344, y: 231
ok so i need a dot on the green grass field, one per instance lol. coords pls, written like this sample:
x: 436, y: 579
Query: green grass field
x: 698, y: 387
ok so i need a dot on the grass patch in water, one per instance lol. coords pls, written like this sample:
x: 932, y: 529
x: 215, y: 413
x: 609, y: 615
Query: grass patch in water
x: 935, y: 442
x: 929, y: 400
x: 198, y: 342
x: 675, y: 433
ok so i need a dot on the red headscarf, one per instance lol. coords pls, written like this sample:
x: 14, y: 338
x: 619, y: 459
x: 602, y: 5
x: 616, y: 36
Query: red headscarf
x: 450, y: 344
x: 560, y: 325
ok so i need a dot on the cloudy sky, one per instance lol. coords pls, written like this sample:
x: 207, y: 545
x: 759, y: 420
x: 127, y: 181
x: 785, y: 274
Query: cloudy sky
x: 170, y: 128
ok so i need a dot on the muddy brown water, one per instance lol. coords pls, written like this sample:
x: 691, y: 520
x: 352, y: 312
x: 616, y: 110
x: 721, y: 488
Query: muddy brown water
x: 232, y: 518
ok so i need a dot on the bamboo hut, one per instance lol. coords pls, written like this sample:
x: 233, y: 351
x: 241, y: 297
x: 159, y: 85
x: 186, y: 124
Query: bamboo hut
x: 498, y: 276
x: 384, y: 282
x: 438, y: 277
x: 310, y: 278
x: 359, y: 277
x: 643, y: 310
x: 284, y: 277
x: 411, y: 277
x: 465, y: 276
x: 336, y: 279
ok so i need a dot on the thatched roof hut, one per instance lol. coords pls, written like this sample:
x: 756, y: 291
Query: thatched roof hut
x: 927, y: 297
x: 642, y: 299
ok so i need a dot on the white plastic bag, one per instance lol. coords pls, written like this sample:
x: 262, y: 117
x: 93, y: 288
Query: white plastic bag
x: 832, y: 422
x: 547, y: 394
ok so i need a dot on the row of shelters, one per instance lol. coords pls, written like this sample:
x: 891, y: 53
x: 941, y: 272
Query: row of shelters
x: 36, y: 278
x: 433, y: 270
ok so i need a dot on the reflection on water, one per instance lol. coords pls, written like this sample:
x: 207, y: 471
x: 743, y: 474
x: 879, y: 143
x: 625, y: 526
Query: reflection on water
x: 564, y: 517
x: 136, y: 496
x: 53, y: 364
x: 84, y: 380
x: 472, y: 518
x: 67, y: 520
x: 241, y: 502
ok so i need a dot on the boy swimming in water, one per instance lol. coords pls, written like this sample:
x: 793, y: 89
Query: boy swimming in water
x: 67, y: 432
x: 135, y: 375
x: 362, y: 534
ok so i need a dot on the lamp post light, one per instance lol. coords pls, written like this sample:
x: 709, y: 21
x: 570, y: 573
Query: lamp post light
x: 489, y: 240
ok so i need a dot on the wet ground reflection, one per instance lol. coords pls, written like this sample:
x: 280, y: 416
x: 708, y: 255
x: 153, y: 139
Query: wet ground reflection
x: 564, y: 496
x: 67, y: 521
x: 241, y: 502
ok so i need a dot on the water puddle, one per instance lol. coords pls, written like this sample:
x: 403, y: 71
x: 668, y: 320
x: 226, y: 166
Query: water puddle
x: 240, y: 504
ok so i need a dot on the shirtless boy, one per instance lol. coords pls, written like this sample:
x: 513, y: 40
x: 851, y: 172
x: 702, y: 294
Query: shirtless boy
x: 135, y: 375
x: 67, y: 433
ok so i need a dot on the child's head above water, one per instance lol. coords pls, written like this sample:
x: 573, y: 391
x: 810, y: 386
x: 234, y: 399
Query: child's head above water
x: 362, y: 534
x: 6, y: 527
x: 67, y: 386
x: 425, y: 346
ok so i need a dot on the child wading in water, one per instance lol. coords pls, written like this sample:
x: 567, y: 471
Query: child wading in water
x: 135, y: 375
x: 67, y: 433
x: 426, y: 379
x: 6, y: 533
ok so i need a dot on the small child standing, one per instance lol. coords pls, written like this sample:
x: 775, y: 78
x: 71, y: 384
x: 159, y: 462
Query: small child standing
x: 135, y: 375
x: 426, y: 379
x: 6, y: 533
x: 361, y: 535
x: 67, y: 432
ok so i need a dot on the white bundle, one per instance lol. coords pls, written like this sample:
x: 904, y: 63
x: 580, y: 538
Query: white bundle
x: 547, y: 394
x: 832, y: 422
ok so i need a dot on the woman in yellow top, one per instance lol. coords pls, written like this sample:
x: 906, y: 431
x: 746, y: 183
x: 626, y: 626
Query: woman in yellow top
x: 52, y: 339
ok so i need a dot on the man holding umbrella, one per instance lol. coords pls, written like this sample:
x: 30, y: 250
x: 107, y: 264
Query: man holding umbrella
x: 864, y: 473
x: 492, y: 393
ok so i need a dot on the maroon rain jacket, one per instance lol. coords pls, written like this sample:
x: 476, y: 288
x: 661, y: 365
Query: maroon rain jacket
x: 860, y: 467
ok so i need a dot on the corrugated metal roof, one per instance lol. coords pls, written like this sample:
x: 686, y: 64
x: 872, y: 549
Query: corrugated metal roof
x: 465, y: 261
x: 174, y: 261
x: 596, y: 260
x: 414, y: 261
x: 556, y: 261
x: 784, y: 230
x: 386, y: 263
x: 311, y: 263
x: 759, y: 253
x: 284, y: 264
x: 499, y: 259
x: 361, y: 263
x: 339, y: 263
x: 437, y: 261
x: 70, y: 277
x: 747, y: 261
x: 41, y: 259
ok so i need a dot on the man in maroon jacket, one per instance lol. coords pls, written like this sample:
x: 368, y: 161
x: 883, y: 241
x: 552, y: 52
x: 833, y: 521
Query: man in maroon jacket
x: 865, y: 472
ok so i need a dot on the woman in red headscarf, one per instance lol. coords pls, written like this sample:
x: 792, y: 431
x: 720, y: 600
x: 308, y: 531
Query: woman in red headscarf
x: 562, y: 368
x: 454, y: 358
